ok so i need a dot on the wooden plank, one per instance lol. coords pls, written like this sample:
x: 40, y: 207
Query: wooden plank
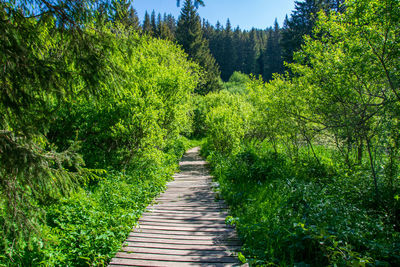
x: 190, y: 188
x: 185, y: 181
x: 192, y: 217
x: 175, y: 210
x: 185, y: 191
x: 196, y: 163
x: 228, y: 232
x: 193, y: 247
x: 211, y: 236
x: 188, y: 200
x: 177, y: 252
x: 183, y: 223
x: 187, y: 219
x: 201, y: 197
x: 190, y: 179
x: 205, y: 213
x: 116, y: 262
x: 173, y: 258
x: 181, y: 241
x: 183, y: 227
x: 195, y: 208
x: 189, y: 205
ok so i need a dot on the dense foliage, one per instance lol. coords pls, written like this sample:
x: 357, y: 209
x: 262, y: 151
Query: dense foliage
x: 91, y: 118
x: 309, y: 161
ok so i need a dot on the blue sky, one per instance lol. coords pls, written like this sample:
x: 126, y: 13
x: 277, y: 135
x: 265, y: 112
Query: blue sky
x: 245, y: 13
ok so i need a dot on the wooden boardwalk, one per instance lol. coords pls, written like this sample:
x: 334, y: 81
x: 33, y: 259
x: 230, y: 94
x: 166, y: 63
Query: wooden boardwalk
x: 186, y: 226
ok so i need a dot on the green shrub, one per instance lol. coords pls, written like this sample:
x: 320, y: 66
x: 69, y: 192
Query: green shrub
x: 237, y: 83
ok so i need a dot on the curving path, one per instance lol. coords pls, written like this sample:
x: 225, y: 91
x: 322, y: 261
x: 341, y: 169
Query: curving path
x: 186, y: 226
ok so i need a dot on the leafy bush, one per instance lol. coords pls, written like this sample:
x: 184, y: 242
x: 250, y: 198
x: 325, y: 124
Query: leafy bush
x: 237, y: 83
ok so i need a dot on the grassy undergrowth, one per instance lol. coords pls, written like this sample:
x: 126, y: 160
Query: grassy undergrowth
x: 303, y: 212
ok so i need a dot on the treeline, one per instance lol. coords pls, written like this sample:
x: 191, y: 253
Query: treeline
x: 309, y: 162
x: 91, y: 122
x: 255, y: 51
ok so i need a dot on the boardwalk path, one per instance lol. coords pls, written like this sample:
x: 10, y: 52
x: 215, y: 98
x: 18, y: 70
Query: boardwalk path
x: 185, y: 228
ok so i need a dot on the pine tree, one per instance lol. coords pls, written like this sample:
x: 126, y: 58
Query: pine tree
x: 252, y: 52
x: 38, y: 79
x: 228, y: 53
x: 159, y: 26
x: 238, y: 42
x: 273, y: 62
x: 171, y: 23
x: 120, y: 9
x: 147, y: 25
x: 197, y: 3
x: 153, y: 23
x: 190, y: 36
x: 163, y: 30
x: 132, y: 20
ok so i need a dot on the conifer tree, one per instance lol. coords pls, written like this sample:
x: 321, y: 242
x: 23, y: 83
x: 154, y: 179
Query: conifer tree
x: 132, y: 20
x: 273, y: 62
x: 163, y: 29
x: 125, y: 14
x: 171, y: 23
x: 153, y: 23
x: 120, y: 9
x: 147, y: 25
x: 190, y: 36
x: 252, y: 52
x: 228, y: 53
x: 197, y: 3
x: 38, y: 55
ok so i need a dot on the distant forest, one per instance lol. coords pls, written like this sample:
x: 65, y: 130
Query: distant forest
x: 255, y: 51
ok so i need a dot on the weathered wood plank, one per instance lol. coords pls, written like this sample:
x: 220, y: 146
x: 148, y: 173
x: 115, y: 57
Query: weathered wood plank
x: 205, y: 228
x: 172, y: 209
x: 189, y: 213
x: 228, y: 232
x: 221, y: 237
x: 189, y: 258
x: 116, y: 262
x: 181, y: 223
x: 201, y: 215
x: 177, y: 252
x: 216, y: 241
x: 192, y: 247
x: 188, y: 200
x: 186, y: 227
x: 189, y: 205
x: 186, y: 219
